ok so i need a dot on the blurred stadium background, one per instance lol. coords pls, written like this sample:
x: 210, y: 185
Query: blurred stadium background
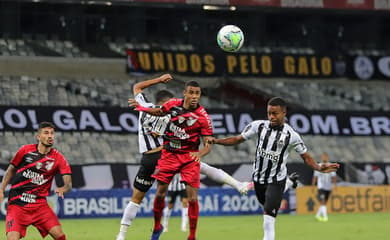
x: 74, y: 62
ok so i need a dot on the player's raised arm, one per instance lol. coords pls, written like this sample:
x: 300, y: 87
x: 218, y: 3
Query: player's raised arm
x: 152, y: 111
x: 138, y: 87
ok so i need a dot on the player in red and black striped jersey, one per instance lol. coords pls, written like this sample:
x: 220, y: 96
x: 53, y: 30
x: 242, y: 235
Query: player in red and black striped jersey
x: 189, y: 123
x: 31, y: 173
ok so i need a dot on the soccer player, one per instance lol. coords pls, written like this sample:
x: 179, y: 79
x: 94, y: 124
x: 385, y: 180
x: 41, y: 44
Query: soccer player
x: 189, y: 123
x: 150, y: 137
x: 324, y: 182
x: 176, y: 189
x: 31, y: 172
x: 275, y: 139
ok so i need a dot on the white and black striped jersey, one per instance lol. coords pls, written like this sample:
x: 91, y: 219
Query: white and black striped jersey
x: 273, y: 147
x: 324, y: 180
x: 176, y: 184
x: 150, y: 128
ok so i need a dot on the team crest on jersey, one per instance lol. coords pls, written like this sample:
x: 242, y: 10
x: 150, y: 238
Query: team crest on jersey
x: 181, y: 119
x: 191, y: 121
x: 38, y: 165
x: 49, y: 165
x: 280, y: 143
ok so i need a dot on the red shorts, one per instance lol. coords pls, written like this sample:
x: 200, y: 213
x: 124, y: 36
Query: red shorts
x: 20, y: 217
x: 171, y: 163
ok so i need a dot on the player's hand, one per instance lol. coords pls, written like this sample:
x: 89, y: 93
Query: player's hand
x: 195, y: 156
x: 329, y: 167
x: 60, y: 192
x: 165, y: 78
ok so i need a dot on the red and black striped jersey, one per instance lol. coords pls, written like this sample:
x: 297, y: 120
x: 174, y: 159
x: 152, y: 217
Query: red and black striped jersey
x: 34, y: 174
x: 185, y: 128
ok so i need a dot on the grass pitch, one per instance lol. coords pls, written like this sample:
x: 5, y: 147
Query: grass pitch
x: 288, y: 227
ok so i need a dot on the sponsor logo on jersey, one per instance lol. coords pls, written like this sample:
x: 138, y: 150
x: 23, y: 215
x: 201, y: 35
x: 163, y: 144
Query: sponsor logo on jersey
x: 274, y: 157
x: 36, y: 178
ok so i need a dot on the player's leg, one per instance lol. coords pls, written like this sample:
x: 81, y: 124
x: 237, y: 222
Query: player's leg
x: 142, y: 183
x: 158, y: 207
x: 190, y: 174
x: 324, y: 208
x: 273, y: 196
x: 57, y: 233
x: 193, y: 210
x: 221, y: 176
x: 16, y: 222
x: 184, y: 210
x: 172, y: 196
x: 321, y: 198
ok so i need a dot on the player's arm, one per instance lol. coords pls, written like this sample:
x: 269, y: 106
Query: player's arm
x: 138, y: 87
x: 152, y: 111
x: 314, y: 180
x: 228, y: 141
x: 9, y: 173
x: 67, y: 179
x: 309, y: 160
x: 203, y: 151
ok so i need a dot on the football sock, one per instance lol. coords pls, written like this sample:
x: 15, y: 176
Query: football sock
x: 184, y: 218
x: 324, y: 211
x: 269, y: 227
x: 167, y: 213
x: 158, y: 207
x: 219, y: 175
x: 127, y: 218
x: 193, y: 213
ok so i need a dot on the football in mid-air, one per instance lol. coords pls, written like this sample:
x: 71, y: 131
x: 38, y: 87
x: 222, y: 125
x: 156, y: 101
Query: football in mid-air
x: 230, y: 38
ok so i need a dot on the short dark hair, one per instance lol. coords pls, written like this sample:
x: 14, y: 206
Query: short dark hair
x: 45, y: 125
x: 191, y: 84
x: 277, y: 101
x: 162, y: 94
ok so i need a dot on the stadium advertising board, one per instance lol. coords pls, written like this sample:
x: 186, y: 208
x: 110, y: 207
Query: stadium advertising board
x: 124, y: 120
x: 369, y: 67
x: 356, y: 199
x: 240, y: 64
x: 111, y: 203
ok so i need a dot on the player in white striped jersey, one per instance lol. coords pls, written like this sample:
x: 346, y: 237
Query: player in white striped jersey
x: 275, y: 139
x: 324, y: 183
x: 150, y: 136
x: 175, y: 189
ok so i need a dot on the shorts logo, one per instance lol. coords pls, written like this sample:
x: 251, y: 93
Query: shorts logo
x: 10, y: 223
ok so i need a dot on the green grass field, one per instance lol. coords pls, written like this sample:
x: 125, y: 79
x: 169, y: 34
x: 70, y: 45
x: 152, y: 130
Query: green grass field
x: 288, y: 227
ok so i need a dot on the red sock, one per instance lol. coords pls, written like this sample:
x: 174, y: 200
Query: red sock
x: 158, y: 207
x: 193, y: 213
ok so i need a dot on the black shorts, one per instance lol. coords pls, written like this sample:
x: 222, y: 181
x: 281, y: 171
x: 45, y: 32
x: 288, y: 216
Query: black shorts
x: 270, y: 196
x: 323, y: 195
x: 144, y: 180
x: 172, y: 196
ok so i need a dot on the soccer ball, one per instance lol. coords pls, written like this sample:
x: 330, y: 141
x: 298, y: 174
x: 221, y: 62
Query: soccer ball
x: 230, y: 38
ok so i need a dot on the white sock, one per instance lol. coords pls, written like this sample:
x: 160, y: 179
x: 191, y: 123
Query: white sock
x: 127, y: 218
x: 324, y: 211
x: 167, y: 214
x: 288, y: 185
x: 219, y: 175
x: 319, y: 211
x: 268, y: 227
x: 184, y: 218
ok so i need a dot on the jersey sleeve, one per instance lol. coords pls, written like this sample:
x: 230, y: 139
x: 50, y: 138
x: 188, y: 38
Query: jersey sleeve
x: 251, y: 129
x: 171, y: 103
x: 316, y: 173
x: 18, y: 158
x: 298, y: 144
x: 142, y: 100
x: 207, y: 129
x: 63, y: 165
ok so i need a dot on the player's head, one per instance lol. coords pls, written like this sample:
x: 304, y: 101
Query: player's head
x: 45, y: 134
x: 192, y: 93
x: 162, y: 96
x: 324, y: 158
x: 276, y: 111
